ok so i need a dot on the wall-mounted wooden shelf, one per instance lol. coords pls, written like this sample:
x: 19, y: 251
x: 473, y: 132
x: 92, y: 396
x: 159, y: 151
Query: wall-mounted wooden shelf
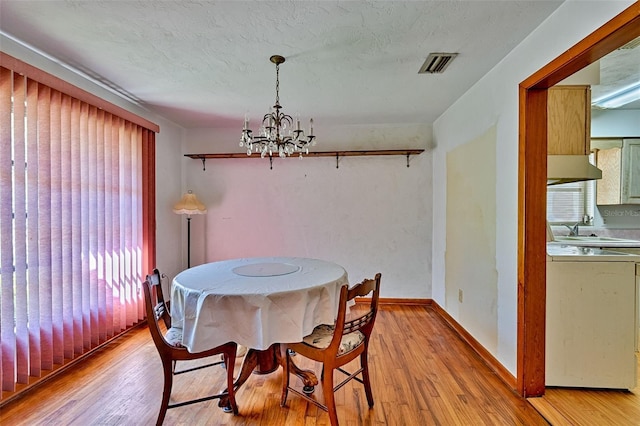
x: 337, y: 154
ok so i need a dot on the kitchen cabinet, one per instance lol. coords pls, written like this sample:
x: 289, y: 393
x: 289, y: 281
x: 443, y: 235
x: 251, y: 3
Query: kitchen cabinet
x: 619, y: 160
x: 591, y: 318
x: 631, y: 171
x: 568, y: 120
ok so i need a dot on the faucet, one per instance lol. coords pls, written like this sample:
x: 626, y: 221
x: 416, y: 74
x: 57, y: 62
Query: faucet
x: 573, y: 231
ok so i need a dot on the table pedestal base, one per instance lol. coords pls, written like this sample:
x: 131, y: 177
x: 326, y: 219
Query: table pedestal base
x: 265, y: 362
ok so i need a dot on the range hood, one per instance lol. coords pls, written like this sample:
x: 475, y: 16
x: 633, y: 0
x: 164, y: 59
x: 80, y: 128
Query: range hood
x: 570, y: 168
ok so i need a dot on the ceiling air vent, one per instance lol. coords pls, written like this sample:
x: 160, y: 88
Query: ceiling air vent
x: 436, y: 63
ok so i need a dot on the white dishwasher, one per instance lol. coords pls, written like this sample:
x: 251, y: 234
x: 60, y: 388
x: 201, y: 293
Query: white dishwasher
x: 591, y: 318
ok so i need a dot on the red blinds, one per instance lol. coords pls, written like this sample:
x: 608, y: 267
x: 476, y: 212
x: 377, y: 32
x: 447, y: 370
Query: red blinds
x: 76, y: 226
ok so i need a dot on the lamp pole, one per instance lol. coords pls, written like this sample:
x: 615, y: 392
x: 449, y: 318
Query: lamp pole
x: 188, y: 242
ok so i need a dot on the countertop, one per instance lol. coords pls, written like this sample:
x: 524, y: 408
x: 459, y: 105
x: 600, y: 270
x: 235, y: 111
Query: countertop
x: 596, y: 242
x: 557, y: 252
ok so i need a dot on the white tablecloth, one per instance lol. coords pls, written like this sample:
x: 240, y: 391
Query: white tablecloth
x: 255, y: 302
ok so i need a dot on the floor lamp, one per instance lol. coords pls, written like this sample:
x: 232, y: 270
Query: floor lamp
x: 189, y: 204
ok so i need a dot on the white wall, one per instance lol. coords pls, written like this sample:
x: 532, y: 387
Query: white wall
x: 372, y: 214
x: 493, y: 101
x: 169, y: 188
x: 623, y: 123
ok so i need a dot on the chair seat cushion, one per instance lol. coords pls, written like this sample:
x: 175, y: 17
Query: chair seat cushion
x: 173, y: 336
x: 322, y: 335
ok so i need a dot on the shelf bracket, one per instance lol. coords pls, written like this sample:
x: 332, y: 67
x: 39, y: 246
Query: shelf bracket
x: 337, y: 160
x: 270, y: 163
x: 204, y: 160
x: 408, y: 155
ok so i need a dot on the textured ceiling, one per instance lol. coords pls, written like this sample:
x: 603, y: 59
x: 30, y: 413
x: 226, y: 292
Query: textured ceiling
x: 618, y: 70
x: 206, y: 63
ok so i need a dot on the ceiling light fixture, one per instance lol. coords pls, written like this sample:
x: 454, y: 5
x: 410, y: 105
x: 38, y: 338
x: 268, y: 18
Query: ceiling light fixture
x: 276, y: 134
x: 619, y: 98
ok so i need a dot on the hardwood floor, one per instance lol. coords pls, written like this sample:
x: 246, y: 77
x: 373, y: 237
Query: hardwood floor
x: 422, y: 374
x: 590, y: 407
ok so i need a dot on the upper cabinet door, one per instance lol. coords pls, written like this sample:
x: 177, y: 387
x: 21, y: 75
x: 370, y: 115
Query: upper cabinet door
x: 568, y: 120
x: 630, y: 171
x: 609, y: 160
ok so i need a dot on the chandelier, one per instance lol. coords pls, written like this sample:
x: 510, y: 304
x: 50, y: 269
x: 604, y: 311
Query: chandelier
x: 277, y: 134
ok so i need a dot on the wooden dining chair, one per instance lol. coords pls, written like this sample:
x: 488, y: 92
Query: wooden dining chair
x: 168, y: 341
x: 336, y: 345
x: 156, y: 281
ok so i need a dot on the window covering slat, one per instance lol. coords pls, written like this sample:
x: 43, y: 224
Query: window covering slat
x: 20, y: 225
x: 75, y: 195
x: 7, y: 336
x: 35, y: 350
x: 76, y: 227
x: 66, y: 212
x: 55, y: 226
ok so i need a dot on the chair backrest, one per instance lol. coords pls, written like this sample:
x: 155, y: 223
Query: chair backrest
x: 155, y: 278
x: 364, y: 322
x: 156, y: 308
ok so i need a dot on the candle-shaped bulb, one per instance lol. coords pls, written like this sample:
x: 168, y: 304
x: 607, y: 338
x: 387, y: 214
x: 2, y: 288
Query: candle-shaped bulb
x: 311, y: 127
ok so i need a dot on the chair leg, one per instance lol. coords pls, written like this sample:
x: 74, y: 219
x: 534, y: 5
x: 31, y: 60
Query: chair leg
x: 166, y: 392
x: 365, y: 377
x: 285, y: 375
x: 329, y: 399
x: 229, y: 362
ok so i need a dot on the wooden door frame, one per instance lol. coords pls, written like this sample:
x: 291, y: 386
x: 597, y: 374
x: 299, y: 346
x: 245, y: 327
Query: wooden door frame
x: 532, y: 175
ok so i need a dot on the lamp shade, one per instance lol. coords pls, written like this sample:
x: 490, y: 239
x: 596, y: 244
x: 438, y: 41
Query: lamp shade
x: 189, y: 204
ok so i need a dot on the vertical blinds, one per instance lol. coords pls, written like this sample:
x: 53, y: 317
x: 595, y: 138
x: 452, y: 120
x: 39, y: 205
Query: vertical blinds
x: 76, y: 226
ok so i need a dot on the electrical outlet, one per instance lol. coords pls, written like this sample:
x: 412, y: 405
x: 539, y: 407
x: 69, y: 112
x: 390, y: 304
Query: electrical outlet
x: 460, y: 295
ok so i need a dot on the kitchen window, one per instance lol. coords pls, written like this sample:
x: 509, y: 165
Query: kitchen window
x: 571, y: 203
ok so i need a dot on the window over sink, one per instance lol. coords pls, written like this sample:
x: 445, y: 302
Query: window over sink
x: 571, y: 203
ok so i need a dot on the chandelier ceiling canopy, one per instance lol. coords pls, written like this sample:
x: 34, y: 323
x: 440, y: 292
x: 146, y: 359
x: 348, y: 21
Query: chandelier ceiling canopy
x: 277, y: 134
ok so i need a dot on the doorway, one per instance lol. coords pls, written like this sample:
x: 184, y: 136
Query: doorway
x: 532, y: 173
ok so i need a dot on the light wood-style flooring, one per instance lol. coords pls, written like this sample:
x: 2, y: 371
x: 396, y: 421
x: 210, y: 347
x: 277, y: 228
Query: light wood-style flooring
x: 590, y: 407
x: 422, y: 374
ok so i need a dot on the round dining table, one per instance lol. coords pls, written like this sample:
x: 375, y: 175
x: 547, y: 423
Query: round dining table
x: 257, y: 303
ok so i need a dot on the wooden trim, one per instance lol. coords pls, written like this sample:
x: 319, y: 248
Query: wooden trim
x: 532, y: 189
x: 620, y: 30
x: 532, y: 177
x: 394, y: 301
x: 54, y: 82
x: 149, y: 202
x: 480, y: 350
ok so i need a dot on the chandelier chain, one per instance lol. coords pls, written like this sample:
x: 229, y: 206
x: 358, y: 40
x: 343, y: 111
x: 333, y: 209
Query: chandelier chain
x: 278, y: 84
